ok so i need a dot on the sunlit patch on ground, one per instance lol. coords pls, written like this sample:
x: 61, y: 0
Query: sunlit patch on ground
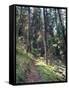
x: 47, y: 72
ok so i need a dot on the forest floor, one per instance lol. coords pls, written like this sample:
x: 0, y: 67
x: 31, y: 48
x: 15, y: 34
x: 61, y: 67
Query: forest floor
x: 33, y: 75
x: 40, y: 72
x: 30, y: 69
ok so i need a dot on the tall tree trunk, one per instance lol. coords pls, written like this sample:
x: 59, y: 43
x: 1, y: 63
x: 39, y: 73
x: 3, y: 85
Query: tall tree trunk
x: 64, y: 34
x: 35, y: 28
x: 63, y: 28
x: 45, y: 35
x: 28, y: 33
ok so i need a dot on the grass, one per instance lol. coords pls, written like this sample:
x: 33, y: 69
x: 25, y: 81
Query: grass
x: 47, y: 72
x: 23, y: 63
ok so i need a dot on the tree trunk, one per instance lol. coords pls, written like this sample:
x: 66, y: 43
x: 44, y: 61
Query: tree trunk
x: 64, y: 34
x: 28, y: 33
x: 63, y: 28
x: 45, y: 35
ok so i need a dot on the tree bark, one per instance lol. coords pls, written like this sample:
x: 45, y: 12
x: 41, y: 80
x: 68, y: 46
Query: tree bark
x: 28, y: 33
x: 63, y: 28
x: 64, y: 34
x: 45, y: 34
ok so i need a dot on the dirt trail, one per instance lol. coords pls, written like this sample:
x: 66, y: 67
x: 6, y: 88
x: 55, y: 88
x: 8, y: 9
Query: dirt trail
x: 33, y: 75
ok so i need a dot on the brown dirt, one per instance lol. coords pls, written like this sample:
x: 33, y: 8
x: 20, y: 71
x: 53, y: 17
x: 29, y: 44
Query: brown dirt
x: 33, y: 75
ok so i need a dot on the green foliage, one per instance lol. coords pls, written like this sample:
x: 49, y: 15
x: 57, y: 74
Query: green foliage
x: 35, y: 52
x: 23, y: 61
x: 47, y: 72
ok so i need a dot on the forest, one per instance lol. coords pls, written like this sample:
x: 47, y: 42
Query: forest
x: 41, y: 44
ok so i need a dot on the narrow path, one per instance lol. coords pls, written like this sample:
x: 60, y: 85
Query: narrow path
x: 33, y: 75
